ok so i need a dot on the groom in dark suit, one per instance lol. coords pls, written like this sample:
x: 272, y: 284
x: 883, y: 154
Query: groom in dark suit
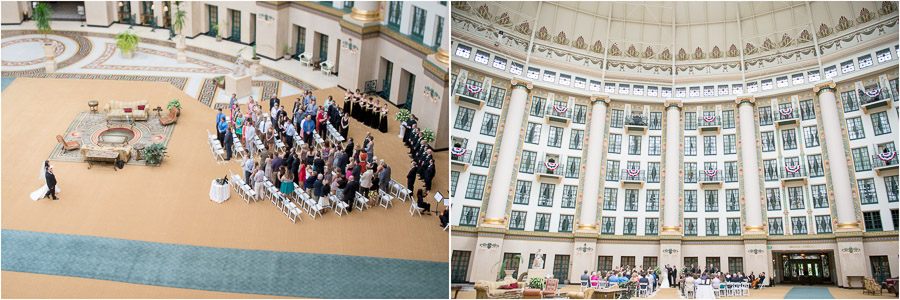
x: 51, y: 183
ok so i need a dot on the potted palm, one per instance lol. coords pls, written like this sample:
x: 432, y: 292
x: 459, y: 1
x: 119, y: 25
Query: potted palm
x: 42, y: 14
x: 179, y: 18
x: 218, y: 34
x: 127, y: 42
x: 154, y: 154
x: 287, y: 51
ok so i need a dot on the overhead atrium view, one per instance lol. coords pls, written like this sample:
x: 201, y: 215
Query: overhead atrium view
x: 225, y: 149
x: 730, y: 140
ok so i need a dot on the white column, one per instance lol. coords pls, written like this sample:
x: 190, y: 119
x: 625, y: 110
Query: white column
x: 505, y: 166
x: 443, y: 53
x: 834, y: 142
x: 673, y: 158
x: 592, y: 180
x: 750, y: 165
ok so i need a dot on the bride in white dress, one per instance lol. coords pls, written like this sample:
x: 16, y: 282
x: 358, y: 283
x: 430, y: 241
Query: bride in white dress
x: 39, y: 193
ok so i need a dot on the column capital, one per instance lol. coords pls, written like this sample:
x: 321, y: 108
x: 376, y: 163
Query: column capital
x: 745, y: 99
x: 588, y: 228
x: 828, y: 85
x: 674, y: 102
x: 520, y: 82
x: 600, y: 98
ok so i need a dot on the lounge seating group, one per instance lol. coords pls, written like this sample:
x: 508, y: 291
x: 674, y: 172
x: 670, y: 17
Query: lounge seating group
x: 171, y: 118
x: 491, y: 289
x: 136, y: 110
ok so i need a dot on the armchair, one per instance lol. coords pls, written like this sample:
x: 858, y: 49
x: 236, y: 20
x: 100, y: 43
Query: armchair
x: 70, y: 145
x: 171, y: 118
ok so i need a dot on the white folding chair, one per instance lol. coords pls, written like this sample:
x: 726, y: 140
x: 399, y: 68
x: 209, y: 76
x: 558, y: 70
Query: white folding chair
x: 414, y: 209
x: 385, y: 199
x: 251, y: 194
x: 405, y: 194
x: 294, y: 211
x: 643, y: 290
x: 361, y: 202
x: 689, y: 291
x: 745, y: 289
x: 340, y: 208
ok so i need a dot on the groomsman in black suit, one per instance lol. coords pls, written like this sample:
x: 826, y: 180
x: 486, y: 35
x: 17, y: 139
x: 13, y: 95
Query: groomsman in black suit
x: 51, y: 183
x: 274, y: 101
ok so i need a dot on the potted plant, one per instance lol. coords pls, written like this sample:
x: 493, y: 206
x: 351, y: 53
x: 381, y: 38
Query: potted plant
x: 127, y: 42
x: 218, y: 34
x: 287, y: 51
x: 174, y: 103
x: 178, y: 18
x: 536, y: 283
x: 154, y: 154
x: 42, y: 14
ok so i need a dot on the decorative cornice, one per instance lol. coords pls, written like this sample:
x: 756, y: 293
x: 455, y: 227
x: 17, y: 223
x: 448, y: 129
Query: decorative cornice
x: 276, y: 5
x: 745, y: 99
x: 523, y: 83
x: 328, y: 11
x: 828, y: 85
x: 436, y: 72
x: 600, y: 98
x: 673, y: 103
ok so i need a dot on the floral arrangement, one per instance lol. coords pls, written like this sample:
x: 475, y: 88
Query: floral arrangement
x: 579, y: 43
x: 682, y: 55
x: 503, y: 19
x: 402, y: 115
x: 542, y: 34
x: 597, y: 47
x: 484, y: 12
x: 523, y: 28
x: 429, y: 135
x: 824, y: 31
x: 843, y: 24
x: 536, y: 283
x: 698, y: 54
x: 561, y: 39
x: 865, y: 16
x: 732, y: 51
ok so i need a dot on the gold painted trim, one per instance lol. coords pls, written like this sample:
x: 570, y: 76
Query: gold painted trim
x: 365, y: 15
x: 442, y: 56
x: 675, y: 102
x: 824, y: 86
x: 847, y: 225
x: 749, y: 99
x: 521, y: 83
x: 492, y: 221
x: 670, y: 229
x: 590, y: 227
x: 754, y: 229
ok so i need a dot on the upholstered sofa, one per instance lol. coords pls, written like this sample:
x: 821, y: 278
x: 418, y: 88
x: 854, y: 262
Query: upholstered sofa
x: 124, y: 152
x: 115, y: 110
x: 491, y: 289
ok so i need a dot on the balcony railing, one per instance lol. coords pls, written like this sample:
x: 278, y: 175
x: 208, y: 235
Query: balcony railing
x: 466, y: 158
x: 786, y: 117
x: 560, y: 114
x: 544, y: 170
x: 885, y: 161
x: 790, y: 173
x: 711, y: 178
x: 878, y: 103
x: 636, y: 123
x: 709, y: 124
x: 632, y: 176
x: 464, y: 94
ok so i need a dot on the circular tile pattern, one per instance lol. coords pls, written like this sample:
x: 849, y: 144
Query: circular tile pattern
x: 29, y: 50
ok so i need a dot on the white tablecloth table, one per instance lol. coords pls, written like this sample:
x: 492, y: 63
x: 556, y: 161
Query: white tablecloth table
x: 705, y: 292
x: 219, y: 192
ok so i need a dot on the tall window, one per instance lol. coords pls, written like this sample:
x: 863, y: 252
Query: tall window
x: 734, y: 226
x: 811, y: 136
x: 517, y: 220
x: 565, y: 223
x: 532, y: 133
x: 418, y: 24
x: 573, y: 167
x: 634, y: 145
x: 807, y: 110
x: 732, y: 200
x: 650, y: 262
x: 819, y: 196
x: 690, y: 200
x: 489, y: 124
x: 576, y: 139
x: 652, y: 200
x: 609, y: 198
x: 735, y: 264
x: 849, y: 100
x: 482, y: 155
x: 690, y: 261
x: 579, y: 114
x: 709, y: 145
x: 655, y: 121
x: 770, y: 169
x: 765, y: 115
x: 554, y: 138
x: 617, y: 119
x: 604, y: 263
x: 872, y: 220
x: 798, y: 225
x: 773, y: 199
x: 439, y: 33
x: 496, y: 98
x: 867, y: 191
x: 776, y: 226
x: 301, y: 40
x: 690, y: 172
x: 789, y: 139
x: 454, y: 178
x: 537, y: 106
x: 880, y: 123
x: 768, y: 141
x: 630, y: 227
x: 323, y: 47
x: 823, y: 224
x: 608, y: 225
x: 651, y: 226
x: 561, y: 266
x: 545, y: 198
x: 475, y: 188
x: 527, y: 162
x: 523, y: 192
x: 628, y: 260
x: 654, y: 146
x: 711, y: 200
x: 631, y: 200
x: 653, y: 172
x: 891, y: 185
x: 464, y: 118
x: 816, y: 167
x: 469, y: 216
x: 690, y: 121
x: 730, y: 144
x: 795, y: 197
x: 542, y: 222
x: 690, y: 145
x: 615, y: 143
x: 712, y: 226
x: 612, y: 170
x: 568, y: 196
x: 727, y: 119
x: 690, y: 226
x: 861, y: 160
x: 395, y: 13
x: 731, y: 171
x: 855, y: 128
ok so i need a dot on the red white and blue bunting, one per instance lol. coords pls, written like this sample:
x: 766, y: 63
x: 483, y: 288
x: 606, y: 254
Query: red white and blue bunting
x: 711, y: 173
x: 458, y: 151
x: 551, y: 166
x: 633, y: 173
x: 792, y: 169
x: 887, y: 156
x: 474, y: 89
x: 872, y: 94
x: 560, y: 109
x: 709, y: 119
x: 786, y: 112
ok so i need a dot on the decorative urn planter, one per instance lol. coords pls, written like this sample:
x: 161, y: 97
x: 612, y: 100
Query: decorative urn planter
x: 49, y: 49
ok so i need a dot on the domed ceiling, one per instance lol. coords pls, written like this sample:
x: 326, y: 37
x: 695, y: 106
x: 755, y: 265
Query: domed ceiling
x: 685, y: 31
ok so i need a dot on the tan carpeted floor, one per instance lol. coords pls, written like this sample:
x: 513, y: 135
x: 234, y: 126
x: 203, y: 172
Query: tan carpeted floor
x: 777, y: 292
x: 170, y: 203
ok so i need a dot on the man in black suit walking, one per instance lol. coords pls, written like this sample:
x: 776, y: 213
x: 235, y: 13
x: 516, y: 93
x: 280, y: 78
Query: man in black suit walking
x: 51, y: 183
x: 350, y: 192
x: 229, y: 142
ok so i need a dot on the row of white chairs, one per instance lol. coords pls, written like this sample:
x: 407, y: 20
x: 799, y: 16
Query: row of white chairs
x: 334, y: 135
x: 215, y: 147
x: 724, y: 289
